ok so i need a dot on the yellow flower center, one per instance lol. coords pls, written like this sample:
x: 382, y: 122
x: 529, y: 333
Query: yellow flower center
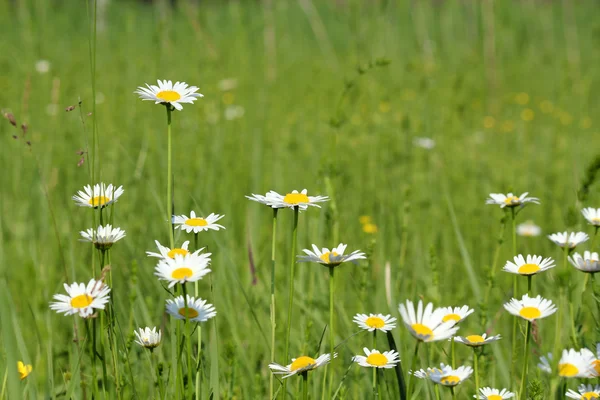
x: 196, y: 222
x: 494, y: 397
x: 81, y: 301
x: 302, y: 362
x: 475, y: 339
x: 596, y: 221
x: 295, y: 198
x: 530, y: 312
x: 596, y: 364
x: 375, y: 322
x: 98, y: 201
x: 422, y: 330
x: 188, y: 312
x: 325, y: 257
x: 567, y: 370
x: 168, y: 95
x: 181, y: 273
x: 450, y: 380
x: 451, y: 317
x: 511, y: 200
x: 528, y: 269
x: 377, y: 359
x: 177, y: 252
x: 590, y: 396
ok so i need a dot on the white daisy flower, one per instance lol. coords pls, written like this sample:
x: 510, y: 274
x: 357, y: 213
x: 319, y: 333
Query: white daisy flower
x: 576, y: 364
x: 569, y: 239
x: 488, y: 393
x: 42, y: 66
x: 100, y: 196
x: 168, y: 94
x: 194, y: 309
x: 376, y: 359
x: 148, y: 338
x: 331, y: 258
x: 290, y: 200
x: 585, y: 392
x: 592, y: 215
x: 530, y: 308
x: 446, y: 375
x: 588, y: 263
x: 424, y: 143
x: 81, y: 299
x: 166, y: 252
x: 426, y: 325
x: 372, y: 322
x: 455, y: 314
x: 544, y: 363
x: 104, y: 237
x: 477, y: 340
x: 197, y: 224
x: 528, y: 228
x: 510, y: 200
x: 181, y: 269
x: 300, y: 365
x: 595, y: 359
x: 530, y: 266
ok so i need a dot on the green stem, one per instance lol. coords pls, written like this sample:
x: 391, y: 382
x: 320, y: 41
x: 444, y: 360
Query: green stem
x: 412, y: 369
x: 596, y: 227
x: 452, y: 353
x: 515, y: 291
x: 272, y: 309
x: 525, y: 362
x: 199, y: 350
x: 436, y: 389
x: 304, y: 385
x: 331, y: 330
x: 188, y: 339
x: 476, y: 370
x: 453, y: 393
x: 529, y: 283
x: 169, y: 178
x: 375, y: 382
x: 291, y: 292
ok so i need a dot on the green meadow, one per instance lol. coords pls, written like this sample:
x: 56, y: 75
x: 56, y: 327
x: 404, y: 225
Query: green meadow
x: 333, y: 96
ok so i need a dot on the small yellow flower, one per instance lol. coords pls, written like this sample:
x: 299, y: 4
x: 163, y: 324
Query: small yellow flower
x: 522, y: 98
x: 527, y: 115
x: 370, y: 228
x: 365, y: 219
x: 24, y: 369
x: 566, y: 118
x: 489, y: 122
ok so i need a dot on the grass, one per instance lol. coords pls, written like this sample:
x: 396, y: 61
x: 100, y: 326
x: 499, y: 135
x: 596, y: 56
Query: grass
x: 292, y: 60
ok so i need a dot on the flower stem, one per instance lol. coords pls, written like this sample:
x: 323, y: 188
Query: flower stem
x: 453, y: 393
x: 304, y: 385
x: 515, y: 290
x: 199, y: 351
x: 436, y: 389
x: 291, y: 291
x: 273, y: 323
x: 596, y: 227
x: 375, y: 382
x: 331, y: 331
x: 169, y: 178
x: 525, y: 362
x: 188, y: 338
x: 412, y: 369
x: 452, y: 353
x: 529, y: 283
x: 476, y: 370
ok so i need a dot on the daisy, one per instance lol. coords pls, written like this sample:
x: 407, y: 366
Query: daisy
x: 181, y: 269
x: 291, y: 200
x: 300, y: 365
x: 193, y: 309
x: 166, y: 252
x: 104, y: 237
x: 456, y: 314
x: 544, y: 363
x: 331, y: 258
x: 510, y: 200
x: 586, y: 392
x: 576, y: 364
x: 446, y: 375
x: 376, y: 359
x: 24, y: 369
x: 588, y: 263
x: 426, y: 325
x: 82, y: 299
x: 488, y: 393
x: 592, y: 215
x: 528, y: 228
x: 530, y: 308
x: 571, y: 239
x: 168, y: 94
x: 100, y: 196
x: 197, y: 224
x: 477, y: 340
x: 595, y: 357
x: 148, y: 338
x: 372, y: 322
x: 530, y: 266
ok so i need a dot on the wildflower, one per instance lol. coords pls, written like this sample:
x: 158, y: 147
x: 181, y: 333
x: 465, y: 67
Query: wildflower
x: 456, y: 314
x: 477, y: 340
x: 42, y: 66
x: 104, y: 237
x: 576, y: 364
x: 424, y: 143
x: 168, y: 94
x: 166, y: 252
x: 595, y: 357
x: 592, y: 215
x: 528, y: 228
x: 181, y: 269
x: 331, y: 258
x: 588, y: 263
x: 24, y: 369
x: 370, y: 228
x: 530, y: 266
x: 82, y: 299
x: 530, y: 308
x: 571, y: 240
x: 365, y: 219
x: 544, y: 363
x: 100, y: 196
x: 148, y: 338
x: 193, y: 309
x: 488, y: 393
x: 290, y: 200
x: 197, y: 224
x: 376, y: 359
x: 510, y: 200
x: 300, y: 365
x: 373, y: 322
x: 446, y: 375
x: 426, y: 325
x: 586, y: 392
